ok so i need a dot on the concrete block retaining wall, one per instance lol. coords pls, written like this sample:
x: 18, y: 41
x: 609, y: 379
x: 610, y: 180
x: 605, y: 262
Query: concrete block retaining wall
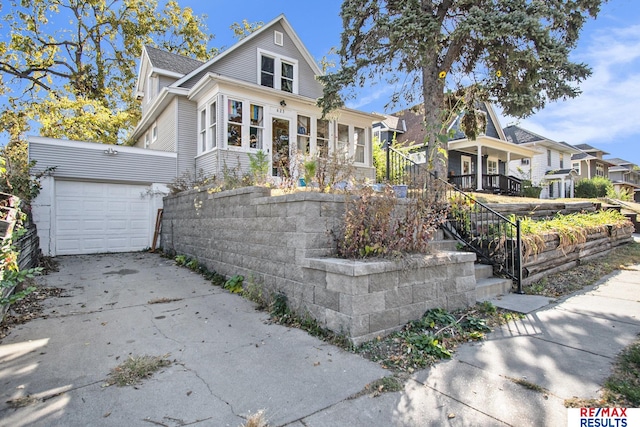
x: 284, y: 244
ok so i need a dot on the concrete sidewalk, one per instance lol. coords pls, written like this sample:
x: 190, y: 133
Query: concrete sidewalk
x: 230, y: 362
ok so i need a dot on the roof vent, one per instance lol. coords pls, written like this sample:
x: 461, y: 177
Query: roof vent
x: 278, y: 38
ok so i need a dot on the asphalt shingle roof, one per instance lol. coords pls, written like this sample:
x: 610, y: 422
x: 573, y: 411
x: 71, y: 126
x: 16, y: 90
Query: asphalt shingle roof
x: 171, y: 61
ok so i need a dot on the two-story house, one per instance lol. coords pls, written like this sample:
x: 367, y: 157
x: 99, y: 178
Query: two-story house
x: 625, y: 177
x: 550, y: 168
x: 588, y: 163
x: 260, y: 94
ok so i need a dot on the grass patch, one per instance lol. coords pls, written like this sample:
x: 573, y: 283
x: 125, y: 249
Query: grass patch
x: 435, y: 336
x: 256, y: 420
x: 622, y: 388
x: 587, y: 273
x: 135, y: 369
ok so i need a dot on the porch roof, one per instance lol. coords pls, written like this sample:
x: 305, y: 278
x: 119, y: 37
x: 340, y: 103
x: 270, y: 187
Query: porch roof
x: 560, y: 174
x: 493, y: 147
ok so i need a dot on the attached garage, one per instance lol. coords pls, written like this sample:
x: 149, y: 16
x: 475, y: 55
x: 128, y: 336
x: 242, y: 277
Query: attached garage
x: 96, y: 217
x: 98, y: 200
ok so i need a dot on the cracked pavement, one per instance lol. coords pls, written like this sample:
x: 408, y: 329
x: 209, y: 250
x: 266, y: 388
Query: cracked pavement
x: 229, y: 362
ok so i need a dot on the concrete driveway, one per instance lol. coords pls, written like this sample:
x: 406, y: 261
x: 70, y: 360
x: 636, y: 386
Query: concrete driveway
x: 229, y: 362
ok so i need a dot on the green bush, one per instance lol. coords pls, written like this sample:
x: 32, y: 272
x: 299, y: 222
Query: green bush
x: 593, y: 188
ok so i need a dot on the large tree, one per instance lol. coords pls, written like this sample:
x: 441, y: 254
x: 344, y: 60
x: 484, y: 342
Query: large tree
x: 70, y: 65
x: 514, y: 53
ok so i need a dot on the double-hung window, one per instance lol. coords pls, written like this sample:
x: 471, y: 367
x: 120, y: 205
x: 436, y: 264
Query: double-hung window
x: 322, y: 137
x: 343, y: 139
x: 234, y: 125
x: 213, y: 128
x: 359, y: 141
x: 304, y: 132
x: 256, y: 127
x: 277, y: 72
x: 203, y: 130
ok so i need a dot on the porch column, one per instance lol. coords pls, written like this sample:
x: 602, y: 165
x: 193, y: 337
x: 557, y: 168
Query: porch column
x: 562, y: 190
x: 479, y: 168
x: 507, y: 169
x: 571, y: 189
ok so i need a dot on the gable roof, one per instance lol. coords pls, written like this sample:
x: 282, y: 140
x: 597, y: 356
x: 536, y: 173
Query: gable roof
x: 286, y: 26
x: 588, y: 148
x: 171, y: 62
x: 521, y: 136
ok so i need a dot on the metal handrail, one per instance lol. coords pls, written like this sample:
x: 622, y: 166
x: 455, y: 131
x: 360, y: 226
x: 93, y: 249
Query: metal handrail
x: 495, y: 238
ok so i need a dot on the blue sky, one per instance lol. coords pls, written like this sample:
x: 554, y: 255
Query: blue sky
x: 606, y: 115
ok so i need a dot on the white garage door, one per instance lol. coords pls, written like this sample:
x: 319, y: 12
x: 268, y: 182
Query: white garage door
x: 101, y: 217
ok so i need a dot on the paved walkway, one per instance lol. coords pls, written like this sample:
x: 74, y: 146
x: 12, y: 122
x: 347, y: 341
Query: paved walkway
x: 230, y: 362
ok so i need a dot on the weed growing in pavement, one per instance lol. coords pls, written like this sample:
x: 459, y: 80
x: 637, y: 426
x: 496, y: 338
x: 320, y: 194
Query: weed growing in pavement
x: 135, y: 369
x: 234, y: 284
x: 622, y: 388
x: 529, y: 385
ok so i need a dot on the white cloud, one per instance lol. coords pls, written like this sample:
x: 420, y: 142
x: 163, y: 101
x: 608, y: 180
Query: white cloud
x: 607, y: 110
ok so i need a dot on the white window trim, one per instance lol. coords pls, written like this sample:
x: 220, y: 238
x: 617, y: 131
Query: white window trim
x: 154, y: 132
x: 497, y: 162
x: 202, y: 129
x: 364, y: 144
x: 245, y: 125
x: 212, y: 127
x: 278, y: 38
x: 277, y: 69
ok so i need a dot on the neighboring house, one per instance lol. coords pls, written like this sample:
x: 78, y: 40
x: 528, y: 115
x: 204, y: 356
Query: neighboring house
x: 589, y: 162
x: 260, y: 94
x: 625, y: 176
x: 550, y: 168
x: 387, y: 130
x: 490, y: 153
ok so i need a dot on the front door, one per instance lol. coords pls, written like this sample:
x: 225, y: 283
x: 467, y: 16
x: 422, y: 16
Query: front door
x: 467, y: 177
x: 280, y: 147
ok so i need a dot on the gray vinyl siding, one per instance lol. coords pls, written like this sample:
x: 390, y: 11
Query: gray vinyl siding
x: 88, y: 161
x: 166, y: 81
x: 187, y: 135
x: 234, y: 158
x: 242, y: 64
x: 166, y: 123
x: 208, y: 163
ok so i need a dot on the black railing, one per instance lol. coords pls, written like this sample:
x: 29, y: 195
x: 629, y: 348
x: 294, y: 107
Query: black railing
x: 492, y: 183
x: 495, y: 238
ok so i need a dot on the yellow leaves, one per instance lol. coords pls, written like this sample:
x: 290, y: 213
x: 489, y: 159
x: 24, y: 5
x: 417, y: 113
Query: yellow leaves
x: 442, y: 74
x: 498, y: 74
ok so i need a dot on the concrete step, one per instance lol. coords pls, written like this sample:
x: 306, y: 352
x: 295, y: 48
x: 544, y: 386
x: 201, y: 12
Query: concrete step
x: 492, y: 287
x: 444, y: 245
x: 483, y: 271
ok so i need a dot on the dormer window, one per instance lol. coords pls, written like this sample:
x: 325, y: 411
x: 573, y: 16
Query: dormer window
x: 277, y: 72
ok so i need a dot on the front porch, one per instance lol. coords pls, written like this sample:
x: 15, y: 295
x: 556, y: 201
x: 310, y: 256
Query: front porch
x: 482, y: 165
x: 489, y: 183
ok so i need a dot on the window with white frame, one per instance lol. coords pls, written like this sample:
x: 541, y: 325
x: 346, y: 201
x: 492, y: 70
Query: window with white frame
x: 234, y: 123
x: 599, y: 169
x: 146, y: 140
x: 322, y: 137
x: 286, y: 77
x: 277, y: 72
x: 576, y: 167
x: 561, y: 161
x: 343, y: 139
x: 256, y: 127
x: 154, y: 133
x: 492, y: 166
x: 213, y: 125
x: 203, y: 130
x: 359, y: 143
x: 304, y: 134
x: 524, y: 161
